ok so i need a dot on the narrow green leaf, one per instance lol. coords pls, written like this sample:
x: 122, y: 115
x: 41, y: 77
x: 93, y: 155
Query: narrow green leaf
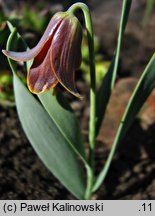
x: 107, y: 85
x: 45, y: 135
x: 139, y: 96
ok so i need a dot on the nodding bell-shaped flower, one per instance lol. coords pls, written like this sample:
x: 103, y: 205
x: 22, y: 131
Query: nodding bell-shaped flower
x: 56, y: 56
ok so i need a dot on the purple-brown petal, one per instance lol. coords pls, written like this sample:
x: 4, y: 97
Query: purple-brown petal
x: 48, y: 34
x: 66, y: 52
x: 40, y: 76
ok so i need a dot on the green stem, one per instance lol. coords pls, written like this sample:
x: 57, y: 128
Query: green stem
x: 90, y: 180
x: 92, y: 120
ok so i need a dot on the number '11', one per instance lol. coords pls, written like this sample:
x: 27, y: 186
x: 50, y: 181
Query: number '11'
x: 147, y: 207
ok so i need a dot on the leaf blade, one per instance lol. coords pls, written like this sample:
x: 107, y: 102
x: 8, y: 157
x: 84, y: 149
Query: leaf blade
x: 104, y: 93
x: 61, y: 113
x: 56, y: 155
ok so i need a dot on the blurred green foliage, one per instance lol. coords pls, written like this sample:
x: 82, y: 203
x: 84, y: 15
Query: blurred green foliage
x: 3, y: 30
x: 6, y: 89
x: 33, y: 19
x: 150, y: 5
x: 101, y: 64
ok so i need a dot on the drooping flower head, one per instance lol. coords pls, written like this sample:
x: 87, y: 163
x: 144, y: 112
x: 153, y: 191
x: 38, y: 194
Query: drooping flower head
x: 56, y: 56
